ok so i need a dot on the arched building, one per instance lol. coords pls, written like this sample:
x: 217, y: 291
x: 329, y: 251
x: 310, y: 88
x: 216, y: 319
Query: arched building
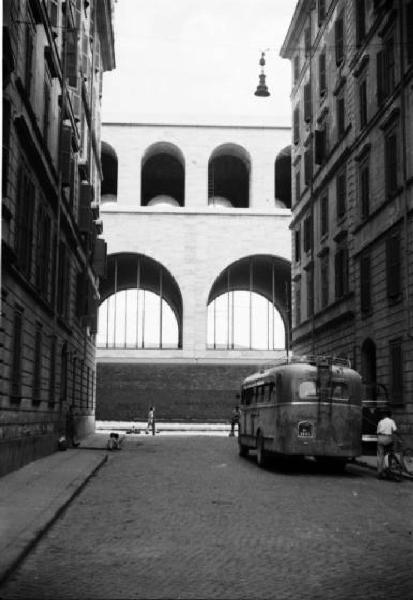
x: 196, y: 220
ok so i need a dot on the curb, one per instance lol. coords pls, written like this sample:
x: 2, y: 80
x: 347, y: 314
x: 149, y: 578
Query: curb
x: 16, y: 560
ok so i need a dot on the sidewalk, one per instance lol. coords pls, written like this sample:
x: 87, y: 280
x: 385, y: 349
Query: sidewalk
x: 33, y: 497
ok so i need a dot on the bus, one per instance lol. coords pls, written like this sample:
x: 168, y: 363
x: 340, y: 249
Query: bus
x: 304, y: 406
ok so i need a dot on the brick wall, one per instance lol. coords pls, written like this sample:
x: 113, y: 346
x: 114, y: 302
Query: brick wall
x: 179, y: 392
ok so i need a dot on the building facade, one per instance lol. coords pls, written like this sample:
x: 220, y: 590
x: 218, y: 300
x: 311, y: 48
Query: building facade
x: 197, y: 215
x: 352, y: 193
x: 54, y: 55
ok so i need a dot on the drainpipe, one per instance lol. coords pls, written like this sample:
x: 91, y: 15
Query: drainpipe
x: 409, y: 320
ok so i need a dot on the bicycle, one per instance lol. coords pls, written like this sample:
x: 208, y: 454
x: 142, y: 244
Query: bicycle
x: 397, y: 461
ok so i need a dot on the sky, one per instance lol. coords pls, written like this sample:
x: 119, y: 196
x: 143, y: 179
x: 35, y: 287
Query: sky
x: 194, y: 61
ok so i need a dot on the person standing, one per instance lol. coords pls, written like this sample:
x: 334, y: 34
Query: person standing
x: 70, y: 427
x: 386, y: 429
x: 234, y: 420
x: 151, y: 421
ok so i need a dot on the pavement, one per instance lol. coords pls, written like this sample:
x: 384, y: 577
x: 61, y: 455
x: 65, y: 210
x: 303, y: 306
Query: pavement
x: 33, y: 497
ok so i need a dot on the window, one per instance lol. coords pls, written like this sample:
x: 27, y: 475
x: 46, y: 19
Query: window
x: 37, y: 365
x: 365, y: 190
x: 320, y: 153
x: 24, y: 222
x: 322, y: 75
x: 29, y: 33
x: 308, y: 166
x: 307, y: 102
x: 396, y: 371
x: 307, y: 41
x: 6, y: 144
x: 321, y: 11
x: 297, y: 187
x: 341, y: 270
x: 363, y: 103
x: 297, y: 245
x: 52, y: 371
x: 63, y: 285
x: 341, y: 194
x: 360, y: 20
x: 365, y: 284
x: 339, y: 391
x: 296, y: 131
x: 296, y: 68
x: 310, y: 292
x: 324, y: 215
x: 385, y: 65
x: 339, y: 39
x: 325, y: 280
x: 297, y: 302
x: 307, y: 389
x: 409, y: 32
x: 393, y: 270
x: 308, y: 234
x: 43, y: 262
x: 46, y: 105
x: 16, y: 363
x: 391, y: 162
x: 341, y: 116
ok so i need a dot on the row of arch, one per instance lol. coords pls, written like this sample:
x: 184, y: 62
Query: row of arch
x: 246, y: 306
x: 163, y: 176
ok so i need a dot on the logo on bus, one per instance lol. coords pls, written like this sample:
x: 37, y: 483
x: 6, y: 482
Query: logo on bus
x: 305, y: 429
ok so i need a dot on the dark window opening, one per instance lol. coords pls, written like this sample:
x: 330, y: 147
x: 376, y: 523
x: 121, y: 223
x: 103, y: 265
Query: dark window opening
x: 163, y: 179
x: 228, y: 181
x: 365, y: 284
x: 393, y: 268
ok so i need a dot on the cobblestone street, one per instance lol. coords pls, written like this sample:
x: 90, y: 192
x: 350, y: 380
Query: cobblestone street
x: 185, y: 517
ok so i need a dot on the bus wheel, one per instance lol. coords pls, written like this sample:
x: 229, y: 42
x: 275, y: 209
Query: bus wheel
x: 261, y: 454
x: 243, y: 450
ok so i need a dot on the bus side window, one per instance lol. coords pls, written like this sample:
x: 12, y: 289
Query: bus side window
x: 271, y: 392
x: 249, y: 395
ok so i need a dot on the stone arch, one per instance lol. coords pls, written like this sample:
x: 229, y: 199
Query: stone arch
x: 265, y: 275
x: 282, y: 178
x: 133, y: 271
x: 229, y: 168
x: 163, y: 175
x: 109, y: 160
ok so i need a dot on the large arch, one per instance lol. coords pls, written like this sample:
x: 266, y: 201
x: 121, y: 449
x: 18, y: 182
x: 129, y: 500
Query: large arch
x: 131, y: 271
x: 109, y: 160
x: 163, y: 175
x: 261, y: 275
x: 229, y: 169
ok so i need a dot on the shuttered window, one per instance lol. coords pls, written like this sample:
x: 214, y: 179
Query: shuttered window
x: 339, y: 39
x: 307, y: 102
x: 341, y: 194
x: 360, y: 20
x: 16, y: 364
x: 391, y: 163
x: 52, y: 371
x: 43, y: 249
x: 296, y: 125
x: 307, y: 41
x: 322, y: 76
x: 297, y: 245
x: 393, y: 270
x: 365, y: 283
x: 297, y: 187
x: 308, y: 234
x: 296, y: 68
x: 396, y: 372
x: 321, y: 11
x: 308, y: 166
x: 363, y: 103
x: 409, y: 33
x: 37, y: 365
x: 319, y: 146
x: 26, y: 198
x: 5, y: 144
x: 297, y: 302
x: 365, y: 191
x: 310, y: 292
x: 325, y: 280
x: 341, y: 271
x: 341, y: 116
x: 324, y: 215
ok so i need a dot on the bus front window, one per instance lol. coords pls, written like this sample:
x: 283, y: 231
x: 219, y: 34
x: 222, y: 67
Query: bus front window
x: 307, y: 389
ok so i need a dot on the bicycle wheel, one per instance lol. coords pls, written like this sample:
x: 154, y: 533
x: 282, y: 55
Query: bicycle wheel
x: 395, y: 468
x: 408, y: 460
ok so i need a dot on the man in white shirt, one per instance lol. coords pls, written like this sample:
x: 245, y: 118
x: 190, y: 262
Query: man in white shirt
x: 386, y: 427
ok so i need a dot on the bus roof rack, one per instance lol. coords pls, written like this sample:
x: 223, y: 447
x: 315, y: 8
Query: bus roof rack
x: 312, y: 359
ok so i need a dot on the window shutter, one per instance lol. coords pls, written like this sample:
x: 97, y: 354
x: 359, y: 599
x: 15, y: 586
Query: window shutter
x: 391, y: 163
x: 409, y: 32
x: 308, y: 166
x: 297, y: 240
x: 339, y: 39
x: 85, y: 54
x: 319, y: 145
x: 322, y: 83
x: 307, y: 40
x: 66, y: 154
x: 72, y: 57
x: 393, y: 265
x: 85, y: 211
x: 396, y: 371
x: 307, y: 102
x: 99, y: 257
x: 297, y: 186
x: 380, y: 76
x: 365, y: 192
x: 15, y: 378
x: 296, y: 125
x: 365, y: 298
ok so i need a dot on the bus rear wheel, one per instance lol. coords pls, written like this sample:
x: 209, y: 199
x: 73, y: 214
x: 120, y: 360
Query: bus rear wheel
x: 262, y: 457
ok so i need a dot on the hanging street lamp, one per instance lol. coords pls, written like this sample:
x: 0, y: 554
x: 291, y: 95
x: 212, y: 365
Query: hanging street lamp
x: 262, y: 89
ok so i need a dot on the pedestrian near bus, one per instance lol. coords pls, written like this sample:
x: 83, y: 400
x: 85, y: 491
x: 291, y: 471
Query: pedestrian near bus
x: 234, y: 420
x: 386, y: 432
x: 151, y: 421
